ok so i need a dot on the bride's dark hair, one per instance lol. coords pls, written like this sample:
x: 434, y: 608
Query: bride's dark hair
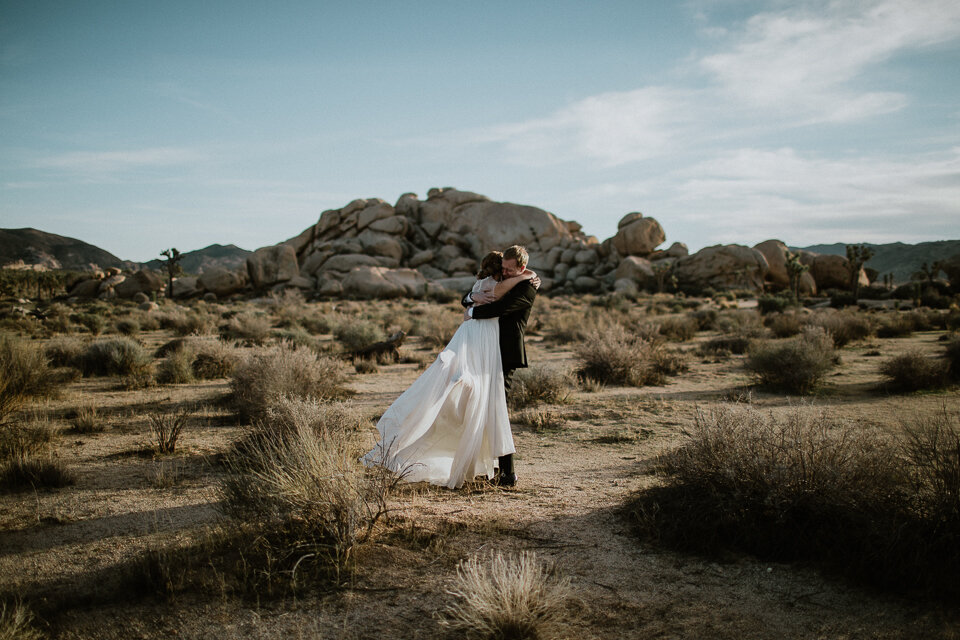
x: 491, y: 265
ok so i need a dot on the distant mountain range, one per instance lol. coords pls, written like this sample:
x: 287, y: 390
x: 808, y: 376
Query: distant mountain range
x: 902, y: 260
x: 58, y: 252
x: 32, y: 246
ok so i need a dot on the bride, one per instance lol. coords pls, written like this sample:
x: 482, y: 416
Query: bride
x: 451, y: 425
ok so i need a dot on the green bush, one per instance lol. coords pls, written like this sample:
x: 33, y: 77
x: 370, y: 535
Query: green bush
x: 797, y: 365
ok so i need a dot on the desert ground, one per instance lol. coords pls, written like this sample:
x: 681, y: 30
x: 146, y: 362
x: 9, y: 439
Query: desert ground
x: 83, y: 558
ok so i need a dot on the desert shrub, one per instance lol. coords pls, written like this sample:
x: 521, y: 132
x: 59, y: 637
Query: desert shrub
x: 742, y: 322
x: 365, y: 366
x: 35, y: 472
x: 16, y: 622
x: 617, y: 356
x: 773, y: 304
x: 706, y: 318
x: 844, y: 327
x: 724, y: 344
x: 802, y: 486
x: 24, y: 374
x: 435, y: 326
x: 898, y: 326
x: 167, y: 428
x: 540, y: 384
x: 184, y: 323
x: 913, y: 371
x: 24, y: 439
x: 299, y: 337
x: 784, y: 325
x: 176, y: 368
x: 797, y: 365
x: 120, y: 356
x: 572, y: 326
x: 952, y: 356
x: 65, y: 351
x: 679, y: 329
x: 264, y: 378
x: 128, y: 327
x: 320, y: 324
x: 841, y: 299
x: 539, y: 419
x: 214, y: 360
x: 357, y: 334
x: 92, y: 322
x: 300, y: 465
x: 507, y: 596
x: 87, y: 419
x: 247, y: 327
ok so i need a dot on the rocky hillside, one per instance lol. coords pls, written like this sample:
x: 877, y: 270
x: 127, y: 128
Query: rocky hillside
x: 227, y: 256
x: 34, y: 247
x: 902, y: 260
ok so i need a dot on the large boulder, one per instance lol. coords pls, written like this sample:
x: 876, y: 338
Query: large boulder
x: 269, y: 265
x: 185, y: 287
x: 380, y: 282
x: 637, y: 235
x: 381, y: 244
x: 776, y: 253
x: 730, y: 266
x: 85, y: 289
x: 145, y: 281
x: 347, y: 262
x: 222, y: 282
x: 635, y: 269
x: 832, y: 272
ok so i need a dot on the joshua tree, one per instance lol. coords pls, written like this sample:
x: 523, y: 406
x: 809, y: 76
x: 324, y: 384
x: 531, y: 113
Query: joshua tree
x: 173, y: 267
x: 795, y: 269
x: 928, y: 272
x: 662, y: 274
x: 857, y: 256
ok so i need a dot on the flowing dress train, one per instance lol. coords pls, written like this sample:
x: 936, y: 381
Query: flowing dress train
x: 452, y: 423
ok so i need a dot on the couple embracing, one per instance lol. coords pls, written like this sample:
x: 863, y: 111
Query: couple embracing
x: 451, y: 424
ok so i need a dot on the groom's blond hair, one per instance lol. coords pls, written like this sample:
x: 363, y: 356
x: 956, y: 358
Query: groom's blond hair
x: 518, y: 253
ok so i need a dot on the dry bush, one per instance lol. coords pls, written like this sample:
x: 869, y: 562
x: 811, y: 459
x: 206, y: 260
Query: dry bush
x: 65, y: 351
x: 436, y: 325
x: 120, y: 356
x: 797, y: 365
x: 16, y: 622
x: 214, y: 360
x: 182, y: 323
x: 167, y: 428
x: 508, y: 596
x: 897, y: 326
x: 177, y: 368
x: 743, y: 322
x: 364, y: 366
x: 567, y: 326
x: 540, y: 419
x: 784, y: 325
x: 358, y: 333
x: 808, y: 487
x: 679, y: 329
x: 952, y: 356
x: 299, y: 337
x: 24, y: 374
x: 249, y: 328
x: 540, y: 384
x: 706, y: 318
x: 87, y: 419
x: 914, y: 370
x: 127, y: 327
x: 844, y: 326
x: 300, y: 466
x: 617, y: 356
x: 276, y: 372
x: 92, y: 322
x: 725, y: 344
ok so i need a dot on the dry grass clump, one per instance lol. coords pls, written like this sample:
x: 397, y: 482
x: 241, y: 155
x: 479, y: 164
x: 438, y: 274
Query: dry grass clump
x: 300, y: 467
x: 914, y: 370
x: 844, y: 327
x: 183, y: 323
x: 35, y: 472
x: 725, y: 345
x: 127, y: 327
x: 167, y: 428
x: 24, y: 374
x: 881, y: 509
x: 617, y: 356
x: 249, y: 328
x: 540, y: 384
x: 119, y: 356
x: 265, y: 377
x: 87, y: 419
x: 358, y: 333
x: 65, y: 351
x: 508, y: 596
x: 16, y: 622
x: 743, y: 322
x: 784, y: 325
x: 435, y: 325
x: 797, y: 365
x: 177, y: 368
x: 574, y: 325
x: 679, y: 329
x: 540, y: 419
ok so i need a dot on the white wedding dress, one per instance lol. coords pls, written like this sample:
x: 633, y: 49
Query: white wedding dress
x: 451, y: 425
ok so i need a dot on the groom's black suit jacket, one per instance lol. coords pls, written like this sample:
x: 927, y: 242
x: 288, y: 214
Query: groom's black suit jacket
x: 513, y: 309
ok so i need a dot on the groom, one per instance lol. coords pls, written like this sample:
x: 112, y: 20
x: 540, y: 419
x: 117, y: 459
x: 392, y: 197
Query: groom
x: 512, y: 309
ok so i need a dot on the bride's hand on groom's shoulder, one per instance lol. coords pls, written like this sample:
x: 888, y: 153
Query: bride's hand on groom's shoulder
x: 535, y: 281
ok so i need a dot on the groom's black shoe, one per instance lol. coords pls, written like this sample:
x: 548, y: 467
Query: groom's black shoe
x: 504, y: 479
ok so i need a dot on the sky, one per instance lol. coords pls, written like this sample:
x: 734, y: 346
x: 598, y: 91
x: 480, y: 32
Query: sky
x: 142, y: 125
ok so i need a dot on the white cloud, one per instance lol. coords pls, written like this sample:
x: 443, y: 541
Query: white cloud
x: 116, y: 162
x: 611, y: 128
x: 802, y: 62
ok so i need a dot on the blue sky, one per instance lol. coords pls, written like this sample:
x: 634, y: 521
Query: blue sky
x: 138, y: 126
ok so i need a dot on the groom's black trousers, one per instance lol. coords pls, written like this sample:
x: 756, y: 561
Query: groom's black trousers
x: 506, y: 462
